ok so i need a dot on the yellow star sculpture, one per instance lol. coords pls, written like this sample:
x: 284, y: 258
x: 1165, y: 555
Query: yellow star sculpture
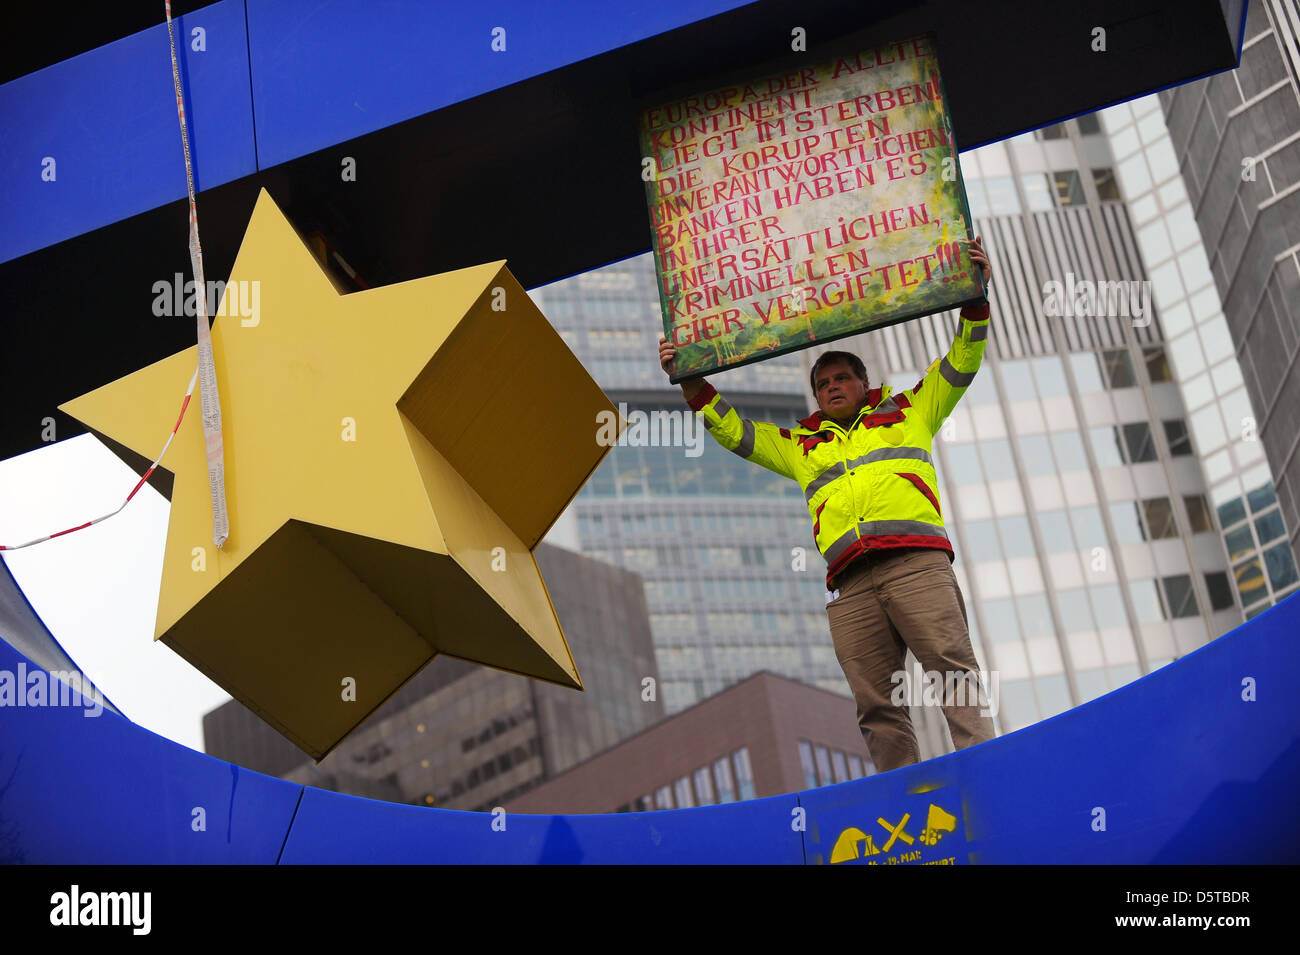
x: 393, y: 456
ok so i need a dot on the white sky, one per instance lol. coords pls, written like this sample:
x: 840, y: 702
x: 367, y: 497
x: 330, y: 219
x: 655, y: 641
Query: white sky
x: 97, y: 589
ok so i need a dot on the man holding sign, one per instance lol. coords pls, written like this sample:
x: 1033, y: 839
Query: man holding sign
x: 863, y: 462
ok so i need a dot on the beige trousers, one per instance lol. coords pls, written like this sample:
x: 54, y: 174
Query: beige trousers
x: 889, y: 602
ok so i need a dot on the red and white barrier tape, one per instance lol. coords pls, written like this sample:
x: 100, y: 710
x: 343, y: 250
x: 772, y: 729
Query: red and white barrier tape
x: 205, y: 373
x: 184, y: 404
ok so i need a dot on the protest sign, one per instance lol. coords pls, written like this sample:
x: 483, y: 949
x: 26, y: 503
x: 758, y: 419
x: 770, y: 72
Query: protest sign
x: 806, y: 205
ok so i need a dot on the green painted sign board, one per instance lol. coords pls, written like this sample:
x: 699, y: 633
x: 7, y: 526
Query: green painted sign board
x: 806, y: 205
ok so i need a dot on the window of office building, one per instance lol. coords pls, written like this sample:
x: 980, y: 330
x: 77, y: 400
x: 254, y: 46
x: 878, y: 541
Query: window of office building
x: 1107, y: 446
x: 1281, y: 566
x: 1118, y: 368
x: 1108, y: 606
x: 1038, y: 191
x: 744, y: 772
x: 1270, y: 526
x: 1220, y: 591
x: 1088, y: 123
x: 823, y: 765
x: 1017, y: 538
x: 1157, y: 364
x: 982, y: 391
x: 1239, y: 542
x: 1055, y: 528
x: 839, y: 766
x: 1230, y: 512
x: 664, y: 798
x: 1091, y: 683
x: 999, y: 465
x: 1089, y: 531
x: 1087, y: 372
x: 982, y: 540
x: 1036, y: 455
x: 1147, y: 601
x: 1053, y: 694
x: 1070, y: 455
x: 806, y: 761
x: 1180, y: 599
x: 1000, y: 619
x: 855, y: 767
x: 1054, y: 131
x: 963, y: 463
x: 1126, y: 517
x: 1076, y: 614
x: 1035, y: 616
x: 1123, y: 674
x: 1107, y: 188
x: 682, y: 792
x: 1138, y: 442
x: 1180, y: 442
x: 703, y: 787
x: 1017, y: 379
x: 1198, y: 513
x: 1262, y: 497
x: 1069, y: 187
x: 723, y: 779
x: 1158, y: 513
x: 1250, y: 581
x: 1002, y: 196
x: 1018, y: 706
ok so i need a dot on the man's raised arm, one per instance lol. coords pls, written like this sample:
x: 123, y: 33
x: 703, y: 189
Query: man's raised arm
x: 948, y: 378
x: 758, y: 441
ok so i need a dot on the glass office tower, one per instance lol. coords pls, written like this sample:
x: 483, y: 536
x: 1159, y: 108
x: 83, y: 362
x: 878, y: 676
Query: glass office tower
x: 1217, y: 173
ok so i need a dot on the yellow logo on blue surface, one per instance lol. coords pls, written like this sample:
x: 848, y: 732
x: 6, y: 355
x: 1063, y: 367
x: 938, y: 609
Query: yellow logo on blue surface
x: 853, y: 843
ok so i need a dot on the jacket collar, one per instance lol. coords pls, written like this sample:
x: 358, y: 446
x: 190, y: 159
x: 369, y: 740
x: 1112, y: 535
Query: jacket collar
x: 819, y: 419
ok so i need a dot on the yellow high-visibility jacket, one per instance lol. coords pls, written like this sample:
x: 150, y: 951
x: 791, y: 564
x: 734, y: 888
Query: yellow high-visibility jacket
x: 870, y: 486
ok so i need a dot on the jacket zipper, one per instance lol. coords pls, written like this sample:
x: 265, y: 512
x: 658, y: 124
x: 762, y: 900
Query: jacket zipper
x: 857, y: 532
x: 849, y: 478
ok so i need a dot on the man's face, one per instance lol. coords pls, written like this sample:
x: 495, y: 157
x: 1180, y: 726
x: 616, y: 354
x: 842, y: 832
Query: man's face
x: 840, y: 393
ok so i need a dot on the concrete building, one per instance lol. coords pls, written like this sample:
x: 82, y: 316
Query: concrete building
x: 762, y: 736
x: 1220, y: 168
x: 464, y: 736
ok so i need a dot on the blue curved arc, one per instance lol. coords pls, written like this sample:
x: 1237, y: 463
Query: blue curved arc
x: 1195, y: 763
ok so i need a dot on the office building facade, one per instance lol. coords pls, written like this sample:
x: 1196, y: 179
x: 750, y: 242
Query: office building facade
x: 1227, y: 150
x: 762, y: 736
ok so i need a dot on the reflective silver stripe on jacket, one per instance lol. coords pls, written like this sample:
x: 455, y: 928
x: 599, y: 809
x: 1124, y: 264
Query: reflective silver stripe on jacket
x: 721, y: 407
x: 880, y: 529
x: 746, y: 446
x: 880, y: 454
x: 819, y: 482
x: 890, y: 454
x: 886, y: 407
x: 979, y: 332
x: 958, y: 379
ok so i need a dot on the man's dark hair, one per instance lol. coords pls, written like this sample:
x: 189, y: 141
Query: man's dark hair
x: 830, y: 358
